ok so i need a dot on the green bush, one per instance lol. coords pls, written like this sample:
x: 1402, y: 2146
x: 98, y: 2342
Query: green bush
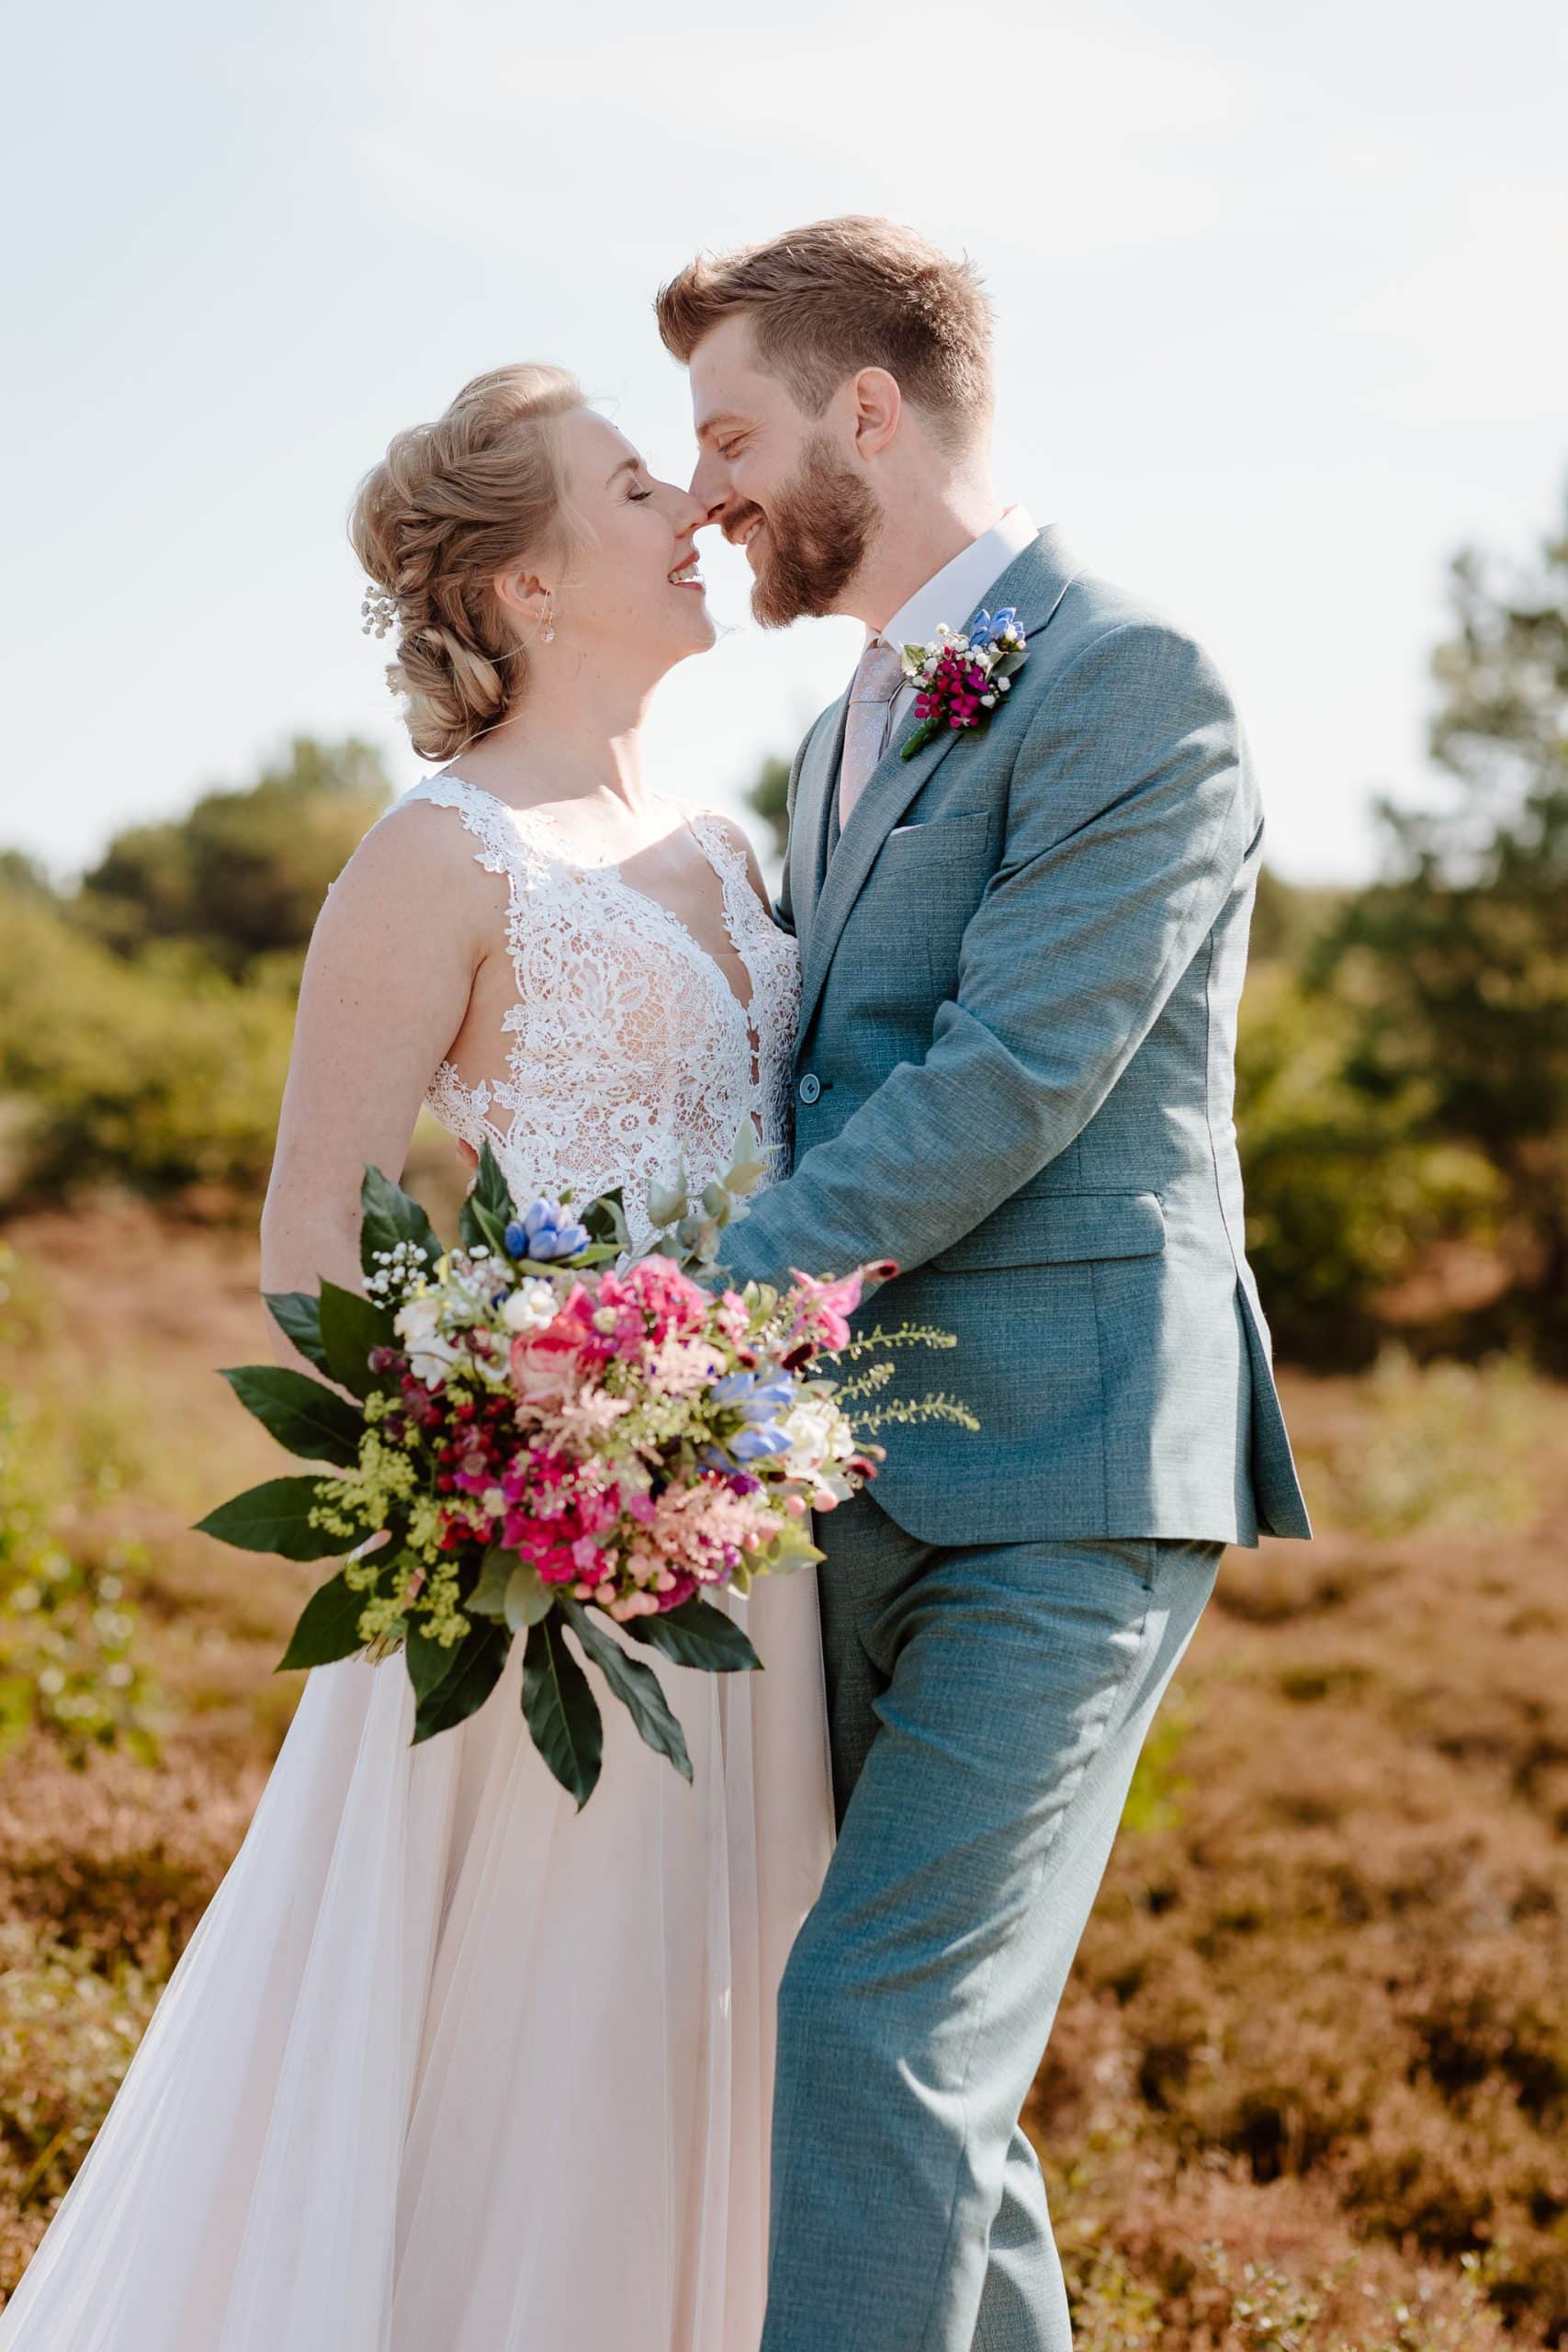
x: 70, y: 1665
x: 243, y: 873
x: 1345, y: 1193
x: 161, y: 1074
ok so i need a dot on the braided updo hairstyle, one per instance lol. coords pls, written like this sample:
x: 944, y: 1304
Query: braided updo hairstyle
x: 450, y: 506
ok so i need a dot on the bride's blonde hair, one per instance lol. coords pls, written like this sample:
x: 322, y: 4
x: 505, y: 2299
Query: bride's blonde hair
x: 450, y: 506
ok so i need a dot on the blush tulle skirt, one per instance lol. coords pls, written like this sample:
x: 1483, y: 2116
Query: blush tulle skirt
x: 448, y: 2066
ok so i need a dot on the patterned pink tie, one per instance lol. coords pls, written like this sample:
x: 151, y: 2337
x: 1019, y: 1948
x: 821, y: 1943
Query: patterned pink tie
x: 872, y: 696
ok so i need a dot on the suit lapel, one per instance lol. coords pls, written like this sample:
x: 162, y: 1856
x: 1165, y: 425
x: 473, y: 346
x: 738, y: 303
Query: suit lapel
x: 1035, y: 581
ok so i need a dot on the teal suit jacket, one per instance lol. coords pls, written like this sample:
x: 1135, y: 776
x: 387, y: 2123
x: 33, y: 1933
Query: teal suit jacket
x: 1022, y: 968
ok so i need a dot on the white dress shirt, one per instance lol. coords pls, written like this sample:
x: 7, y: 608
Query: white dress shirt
x: 952, y: 594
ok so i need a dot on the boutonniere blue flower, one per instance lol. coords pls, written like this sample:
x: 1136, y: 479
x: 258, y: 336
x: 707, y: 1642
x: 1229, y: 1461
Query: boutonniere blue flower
x: 961, y: 679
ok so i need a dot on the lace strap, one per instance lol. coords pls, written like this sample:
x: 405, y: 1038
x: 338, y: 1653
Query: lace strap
x: 728, y: 859
x: 507, y: 848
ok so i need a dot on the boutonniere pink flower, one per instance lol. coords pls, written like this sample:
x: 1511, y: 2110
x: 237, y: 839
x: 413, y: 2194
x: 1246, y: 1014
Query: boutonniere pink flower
x: 961, y: 679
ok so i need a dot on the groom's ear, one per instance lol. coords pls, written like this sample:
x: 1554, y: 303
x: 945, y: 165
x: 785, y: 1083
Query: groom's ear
x: 876, y: 407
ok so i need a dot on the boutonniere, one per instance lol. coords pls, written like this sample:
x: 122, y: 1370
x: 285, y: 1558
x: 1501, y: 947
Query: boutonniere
x: 961, y: 679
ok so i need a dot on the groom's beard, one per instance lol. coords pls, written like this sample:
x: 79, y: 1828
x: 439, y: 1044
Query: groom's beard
x: 814, y: 537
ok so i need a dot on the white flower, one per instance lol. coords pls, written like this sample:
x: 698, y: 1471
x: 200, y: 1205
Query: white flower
x: 432, y: 1359
x: 531, y: 1305
x: 818, y: 1433
x: 417, y: 1319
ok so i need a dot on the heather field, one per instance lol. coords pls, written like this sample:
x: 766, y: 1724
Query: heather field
x: 1310, y: 2084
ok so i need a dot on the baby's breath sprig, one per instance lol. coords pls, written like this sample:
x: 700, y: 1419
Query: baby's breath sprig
x: 396, y: 1270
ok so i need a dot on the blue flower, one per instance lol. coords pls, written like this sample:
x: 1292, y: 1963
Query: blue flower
x: 546, y: 1230
x: 755, y: 1401
x: 991, y: 629
x: 753, y: 1444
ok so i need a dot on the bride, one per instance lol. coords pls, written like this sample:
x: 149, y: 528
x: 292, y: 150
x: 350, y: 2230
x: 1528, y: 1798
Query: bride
x: 445, y: 2063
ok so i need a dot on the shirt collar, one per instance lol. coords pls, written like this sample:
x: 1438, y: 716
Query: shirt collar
x: 952, y: 594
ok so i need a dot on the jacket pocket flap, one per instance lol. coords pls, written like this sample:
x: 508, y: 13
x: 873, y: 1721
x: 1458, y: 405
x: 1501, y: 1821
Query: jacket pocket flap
x: 1049, y: 1228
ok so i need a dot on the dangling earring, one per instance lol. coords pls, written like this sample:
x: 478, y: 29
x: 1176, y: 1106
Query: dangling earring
x: 548, y: 630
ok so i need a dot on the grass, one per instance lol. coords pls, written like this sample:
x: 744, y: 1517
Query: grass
x: 1309, y: 2084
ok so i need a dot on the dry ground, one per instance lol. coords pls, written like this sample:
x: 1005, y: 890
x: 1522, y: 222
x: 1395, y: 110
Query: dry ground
x: 1310, y: 2084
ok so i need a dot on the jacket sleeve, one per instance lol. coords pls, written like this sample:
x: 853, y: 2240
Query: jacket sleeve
x: 1129, y: 819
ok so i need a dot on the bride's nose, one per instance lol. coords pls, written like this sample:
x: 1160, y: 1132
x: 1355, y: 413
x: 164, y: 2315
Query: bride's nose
x: 687, y: 515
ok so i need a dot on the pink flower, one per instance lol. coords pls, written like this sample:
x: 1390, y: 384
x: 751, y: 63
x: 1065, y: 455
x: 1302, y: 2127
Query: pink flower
x: 822, y: 1307
x: 732, y: 1317
x: 679, y: 1306
x: 539, y: 1378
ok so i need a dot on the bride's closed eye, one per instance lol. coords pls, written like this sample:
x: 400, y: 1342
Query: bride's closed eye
x: 637, y: 496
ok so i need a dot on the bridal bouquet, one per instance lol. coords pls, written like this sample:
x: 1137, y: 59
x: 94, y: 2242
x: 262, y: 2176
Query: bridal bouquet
x: 546, y: 1433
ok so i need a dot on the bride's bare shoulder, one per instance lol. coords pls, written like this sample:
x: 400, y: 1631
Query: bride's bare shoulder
x: 415, y: 846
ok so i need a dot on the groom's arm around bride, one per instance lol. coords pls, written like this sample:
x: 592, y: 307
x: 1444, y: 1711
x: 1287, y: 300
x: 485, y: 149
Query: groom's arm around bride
x: 1022, y: 953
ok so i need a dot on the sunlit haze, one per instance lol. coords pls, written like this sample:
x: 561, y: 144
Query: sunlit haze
x: 1280, y: 324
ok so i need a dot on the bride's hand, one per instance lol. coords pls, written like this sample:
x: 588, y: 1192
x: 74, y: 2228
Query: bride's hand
x: 465, y: 1151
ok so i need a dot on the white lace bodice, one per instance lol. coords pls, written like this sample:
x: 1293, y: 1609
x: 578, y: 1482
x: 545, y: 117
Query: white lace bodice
x: 626, y: 1048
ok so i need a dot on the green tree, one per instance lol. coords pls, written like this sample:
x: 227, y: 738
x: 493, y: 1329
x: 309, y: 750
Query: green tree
x: 244, y: 873
x: 160, y: 1074
x: 1457, y: 962
x: 768, y: 795
x: 22, y: 877
x: 1346, y: 1195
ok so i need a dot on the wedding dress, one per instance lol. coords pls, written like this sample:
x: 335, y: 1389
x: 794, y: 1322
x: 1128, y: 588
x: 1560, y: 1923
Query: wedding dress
x: 446, y: 2065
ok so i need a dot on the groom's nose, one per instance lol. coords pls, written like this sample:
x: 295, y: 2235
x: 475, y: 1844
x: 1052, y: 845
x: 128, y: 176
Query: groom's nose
x: 710, y: 485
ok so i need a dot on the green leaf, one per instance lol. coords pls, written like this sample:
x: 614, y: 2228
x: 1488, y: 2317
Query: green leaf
x: 429, y: 1662
x: 390, y: 1215
x: 566, y: 1724
x: 791, y: 1548
x: 307, y: 1419
x: 473, y: 1674
x: 667, y: 1204
x: 298, y: 1314
x: 606, y: 1219
x: 528, y: 1596
x: 697, y: 1634
x: 926, y: 732
x: 749, y: 1161
x: 488, y: 1595
x: 511, y: 1590
x: 351, y: 1326
x: 636, y: 1686
x: 488, y: 1209
x: 328, y: 1627
x: 272, y: 1518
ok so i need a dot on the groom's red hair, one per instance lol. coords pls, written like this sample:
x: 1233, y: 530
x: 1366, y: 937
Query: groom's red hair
x: 838, y: 295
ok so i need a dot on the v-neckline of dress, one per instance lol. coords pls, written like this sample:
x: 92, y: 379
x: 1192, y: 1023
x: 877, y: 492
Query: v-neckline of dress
x: 613, y: 873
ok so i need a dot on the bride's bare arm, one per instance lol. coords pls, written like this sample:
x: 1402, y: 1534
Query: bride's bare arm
x: 387, y: 982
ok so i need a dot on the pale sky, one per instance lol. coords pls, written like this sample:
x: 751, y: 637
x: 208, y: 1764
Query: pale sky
x: 1281, y: 320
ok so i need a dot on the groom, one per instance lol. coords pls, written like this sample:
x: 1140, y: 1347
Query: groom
x: 1022, y: 954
